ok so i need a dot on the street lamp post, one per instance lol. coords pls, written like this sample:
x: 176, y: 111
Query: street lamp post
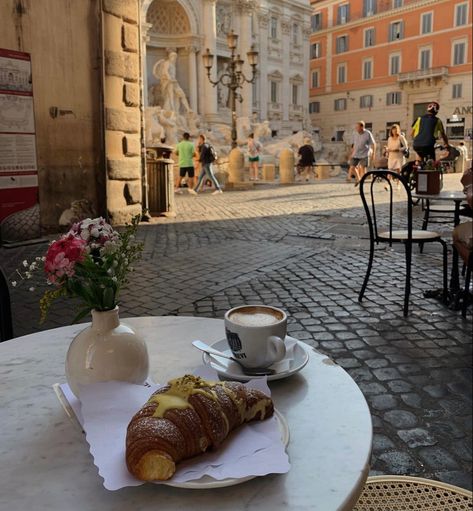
x: 233, y: 78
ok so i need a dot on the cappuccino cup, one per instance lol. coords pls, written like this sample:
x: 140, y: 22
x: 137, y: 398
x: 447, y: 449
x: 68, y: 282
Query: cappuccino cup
x: 255, y: 334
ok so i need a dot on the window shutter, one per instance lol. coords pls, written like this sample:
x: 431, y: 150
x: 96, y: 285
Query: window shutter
x: 401, y: 30
x: 391, y: 32
x: 348, y: 12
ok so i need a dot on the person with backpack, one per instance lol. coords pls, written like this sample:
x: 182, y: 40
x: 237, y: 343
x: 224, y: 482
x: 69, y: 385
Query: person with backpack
x: 306, y: 158
x: 425, y: 131
x: 207, y: 155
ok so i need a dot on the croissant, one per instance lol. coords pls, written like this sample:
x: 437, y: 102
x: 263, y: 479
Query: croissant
x: 185, y: 418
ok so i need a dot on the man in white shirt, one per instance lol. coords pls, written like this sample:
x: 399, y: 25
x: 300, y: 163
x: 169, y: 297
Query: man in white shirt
x: 363, y: 142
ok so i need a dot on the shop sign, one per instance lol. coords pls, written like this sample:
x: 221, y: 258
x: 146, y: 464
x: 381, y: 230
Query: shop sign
x: 463, y: 110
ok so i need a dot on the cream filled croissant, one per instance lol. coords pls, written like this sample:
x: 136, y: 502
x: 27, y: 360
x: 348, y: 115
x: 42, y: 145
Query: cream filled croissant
x: 185, y: 418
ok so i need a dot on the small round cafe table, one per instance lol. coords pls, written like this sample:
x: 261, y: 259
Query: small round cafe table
x: 46, y: 464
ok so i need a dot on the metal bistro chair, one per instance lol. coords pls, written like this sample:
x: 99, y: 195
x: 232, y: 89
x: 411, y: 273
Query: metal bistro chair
x: 6, y: 327
x: 406, y: 237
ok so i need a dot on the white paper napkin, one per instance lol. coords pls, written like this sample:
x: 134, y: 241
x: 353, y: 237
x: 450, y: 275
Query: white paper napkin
x: 255, y: 449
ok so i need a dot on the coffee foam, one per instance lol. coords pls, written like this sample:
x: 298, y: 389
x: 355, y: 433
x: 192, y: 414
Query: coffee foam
x: 255, y: 316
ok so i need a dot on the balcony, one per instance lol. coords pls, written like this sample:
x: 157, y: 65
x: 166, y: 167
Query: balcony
x: 274, y: 111
x: 430, y: 75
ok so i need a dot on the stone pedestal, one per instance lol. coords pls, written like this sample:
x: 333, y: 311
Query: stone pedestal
x: 286, y: 166
x: 236, y: 166
x: 323, y: 171
x: 269, y: 172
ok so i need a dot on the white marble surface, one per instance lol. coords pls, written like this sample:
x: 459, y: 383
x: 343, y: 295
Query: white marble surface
x: 46, y: 464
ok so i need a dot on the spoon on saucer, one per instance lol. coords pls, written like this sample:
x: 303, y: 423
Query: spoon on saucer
x: 254, y: 371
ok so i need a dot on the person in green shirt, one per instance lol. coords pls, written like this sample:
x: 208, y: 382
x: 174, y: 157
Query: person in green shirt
x: 185, y: 151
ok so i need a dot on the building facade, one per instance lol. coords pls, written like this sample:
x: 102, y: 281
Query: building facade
x: 279, y: 30
x: 383, y: 61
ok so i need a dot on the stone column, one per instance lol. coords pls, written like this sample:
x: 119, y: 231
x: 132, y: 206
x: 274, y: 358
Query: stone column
x: 263, y: 19
x: 209, y: 106
x: 245, y: 40
x: 285, y: 97
x: 121, y: 49
x: 192, y: 78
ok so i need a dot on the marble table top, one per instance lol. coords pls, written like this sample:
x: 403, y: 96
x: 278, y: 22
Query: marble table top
x: 46, y: 464
x: 443, y: 195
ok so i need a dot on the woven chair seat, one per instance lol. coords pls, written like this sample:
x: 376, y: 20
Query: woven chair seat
x: 404, y: 493
x: 416, y: 235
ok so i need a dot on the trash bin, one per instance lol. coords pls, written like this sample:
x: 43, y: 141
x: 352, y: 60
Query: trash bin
x: 160, y: 186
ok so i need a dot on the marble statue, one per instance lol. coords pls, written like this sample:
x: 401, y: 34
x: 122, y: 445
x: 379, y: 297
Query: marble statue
x: 160, y: 124
x: 262, y: 131
x: 171, y: 95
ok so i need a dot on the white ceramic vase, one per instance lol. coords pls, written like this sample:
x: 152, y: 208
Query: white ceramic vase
x: 104, y: 351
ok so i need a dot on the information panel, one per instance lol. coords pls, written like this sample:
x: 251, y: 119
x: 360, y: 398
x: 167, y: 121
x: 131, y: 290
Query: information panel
x: 18, y: 165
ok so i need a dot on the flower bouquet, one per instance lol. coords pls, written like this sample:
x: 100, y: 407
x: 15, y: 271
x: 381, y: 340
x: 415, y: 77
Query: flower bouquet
x: 91, y: 262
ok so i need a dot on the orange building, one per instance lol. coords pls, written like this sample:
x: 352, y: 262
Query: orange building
x: 382, y: 61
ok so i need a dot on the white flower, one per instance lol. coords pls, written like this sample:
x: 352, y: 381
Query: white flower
x: 114, y: 279
x: 32, y: 288
x: 84, y: 234
x: 95, y: 232
x: 25, y: 263
x: 14, y: 283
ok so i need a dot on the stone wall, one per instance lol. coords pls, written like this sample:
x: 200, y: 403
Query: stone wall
x: 122, y: 112
x: 63, y: 40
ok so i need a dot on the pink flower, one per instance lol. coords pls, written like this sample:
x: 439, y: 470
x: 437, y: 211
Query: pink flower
x: 62, y: 255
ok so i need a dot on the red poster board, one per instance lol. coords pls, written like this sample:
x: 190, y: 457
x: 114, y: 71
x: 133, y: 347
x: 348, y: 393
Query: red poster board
x: 18, y: 164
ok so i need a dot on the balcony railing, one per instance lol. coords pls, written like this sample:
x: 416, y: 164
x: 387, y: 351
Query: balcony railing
x: 295, y: 108
x: 422, y: 74
x: 274, y: 107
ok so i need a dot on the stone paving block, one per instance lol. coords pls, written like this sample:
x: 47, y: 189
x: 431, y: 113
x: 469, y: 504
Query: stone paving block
x: 437, y: 457
x: 400, y: 418
x: 398, y: 463
x: 416, y: 437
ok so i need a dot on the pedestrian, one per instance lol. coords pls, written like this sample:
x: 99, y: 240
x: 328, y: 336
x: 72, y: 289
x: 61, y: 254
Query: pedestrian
x: 396, y: 149
x: 185, y: 151
x: 363, y: 143
x: 306, y: 158
x: 425, y: 131
x: 207, y: 156
x: 254, y: 149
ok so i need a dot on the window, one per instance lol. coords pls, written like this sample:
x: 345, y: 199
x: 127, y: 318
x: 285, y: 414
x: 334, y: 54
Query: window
x: 314, y: 107
x: 315, y: 82
x: 340, y: 104
x: 338, y: 136
x: 394, y: 64
x: 426, y: 23
x: 424, y: 58
x: 315, y: 50
x: 366, y: 101
x: 393, y: 98
x: 461, y: 14
x: 367, y: 69
x: 316, y: 21
x: 295, y: 34
x: 459, y: 53
x: 342, y: 44
x: 369, y: 126
x: 274, y: 91
x: 369, y: 37
x: 341, y: 73
x: 456, y: 90
x: 274, y: 27
x: 396, y: 30
x: 369, y: 7
x: 397, y: 4
x: 295, y: 94
x: 343, y: 14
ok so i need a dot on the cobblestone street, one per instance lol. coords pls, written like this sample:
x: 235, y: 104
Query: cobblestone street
x: 304, y: 248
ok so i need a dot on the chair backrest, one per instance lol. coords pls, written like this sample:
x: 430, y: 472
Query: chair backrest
x: 6, y: 327
x: 383, y: 177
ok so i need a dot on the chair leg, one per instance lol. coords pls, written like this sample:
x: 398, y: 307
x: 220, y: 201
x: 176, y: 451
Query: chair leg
x: 445, y: 270
x: 368, y: 271
x: 463, y: 269
x: 407, y: 292
x: 466, y: 291
x: 425, y: 224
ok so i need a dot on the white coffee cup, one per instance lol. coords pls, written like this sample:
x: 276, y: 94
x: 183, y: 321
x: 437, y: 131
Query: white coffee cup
x: 256, y: 333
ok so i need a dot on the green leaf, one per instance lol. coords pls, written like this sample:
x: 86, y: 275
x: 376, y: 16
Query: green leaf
x: 108, y: 298
x: 81, y: 314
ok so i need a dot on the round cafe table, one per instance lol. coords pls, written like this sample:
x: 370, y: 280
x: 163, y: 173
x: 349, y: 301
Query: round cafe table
x: 46, y: 464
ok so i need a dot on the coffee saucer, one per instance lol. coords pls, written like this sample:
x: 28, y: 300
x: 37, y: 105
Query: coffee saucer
x: 297, y: 356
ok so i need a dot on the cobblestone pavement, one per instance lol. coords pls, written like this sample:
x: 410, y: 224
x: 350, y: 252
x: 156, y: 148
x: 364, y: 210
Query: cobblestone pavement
x: 304, y: 248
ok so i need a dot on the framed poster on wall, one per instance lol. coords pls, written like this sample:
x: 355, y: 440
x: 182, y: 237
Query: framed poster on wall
x: 19, y: 210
